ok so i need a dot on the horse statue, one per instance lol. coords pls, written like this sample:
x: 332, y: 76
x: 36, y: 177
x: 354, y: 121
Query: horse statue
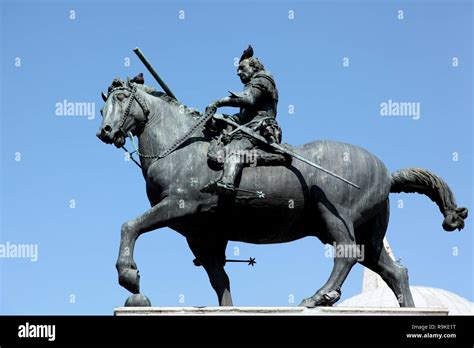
x: 299, y: 200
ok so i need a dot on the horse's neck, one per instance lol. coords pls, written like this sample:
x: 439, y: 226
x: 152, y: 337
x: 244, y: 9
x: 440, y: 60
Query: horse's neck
x: 165, y: 125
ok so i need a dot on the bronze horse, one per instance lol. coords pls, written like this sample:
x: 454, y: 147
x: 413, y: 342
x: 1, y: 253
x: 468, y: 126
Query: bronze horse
x: 299, y: 200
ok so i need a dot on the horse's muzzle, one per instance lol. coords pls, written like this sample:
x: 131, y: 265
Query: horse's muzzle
x: 105, y: 134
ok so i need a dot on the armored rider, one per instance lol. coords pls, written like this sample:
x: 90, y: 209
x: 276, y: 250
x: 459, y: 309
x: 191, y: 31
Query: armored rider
x: 258, y: 110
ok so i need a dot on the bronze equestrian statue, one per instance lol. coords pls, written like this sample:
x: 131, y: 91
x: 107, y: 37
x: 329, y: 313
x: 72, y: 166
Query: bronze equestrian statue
x: 299, y: 200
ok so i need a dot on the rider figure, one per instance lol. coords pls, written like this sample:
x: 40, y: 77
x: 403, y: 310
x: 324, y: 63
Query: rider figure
x: 258, y: 110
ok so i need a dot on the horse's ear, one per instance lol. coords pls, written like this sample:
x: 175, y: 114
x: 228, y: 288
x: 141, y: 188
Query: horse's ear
x: 104, y: 97
x: 117, y: 83
x: 129, y: 82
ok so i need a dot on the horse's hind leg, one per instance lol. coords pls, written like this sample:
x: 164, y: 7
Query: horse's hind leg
x: 212, y: 258
x: 376, y: 257
x: 340, y: 231
x: 395, y: 275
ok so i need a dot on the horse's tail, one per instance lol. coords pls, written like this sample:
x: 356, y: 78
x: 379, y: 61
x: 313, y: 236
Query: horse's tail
x: 423, y: 182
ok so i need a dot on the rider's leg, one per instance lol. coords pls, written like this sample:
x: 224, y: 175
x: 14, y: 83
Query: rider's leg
x: 236, y: 156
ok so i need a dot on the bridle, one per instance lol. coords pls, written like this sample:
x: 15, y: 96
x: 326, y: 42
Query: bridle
x: 134, y: 96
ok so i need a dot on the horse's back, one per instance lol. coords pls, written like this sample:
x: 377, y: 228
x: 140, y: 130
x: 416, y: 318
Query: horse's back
x: 301, y: 184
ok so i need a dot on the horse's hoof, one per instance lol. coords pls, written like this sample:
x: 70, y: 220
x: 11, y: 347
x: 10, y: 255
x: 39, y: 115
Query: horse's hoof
x: 330, y: 298
x: 130, y: 280
x: 326, y: 299
x: 308, y: 303
x: 137, y: 300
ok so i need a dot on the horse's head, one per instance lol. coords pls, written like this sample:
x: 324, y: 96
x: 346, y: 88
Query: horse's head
x: 125, y: 110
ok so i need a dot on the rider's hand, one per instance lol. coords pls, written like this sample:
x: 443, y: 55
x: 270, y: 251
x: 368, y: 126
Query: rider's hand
x: 212, y: 108
x: 218, y: 117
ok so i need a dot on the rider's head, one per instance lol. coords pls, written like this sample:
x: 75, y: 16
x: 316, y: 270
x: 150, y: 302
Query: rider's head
x: 248, y: 65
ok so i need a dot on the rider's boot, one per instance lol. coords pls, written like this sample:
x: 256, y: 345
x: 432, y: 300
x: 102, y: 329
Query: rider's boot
x: 225, y: 184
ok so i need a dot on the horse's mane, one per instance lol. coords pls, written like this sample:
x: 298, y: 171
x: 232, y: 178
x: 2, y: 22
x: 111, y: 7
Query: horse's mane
x: 166, y: 98
x: 118, y: 83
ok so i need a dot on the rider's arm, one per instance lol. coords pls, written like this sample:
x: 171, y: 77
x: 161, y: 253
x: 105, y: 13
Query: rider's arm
x: 248, y: 99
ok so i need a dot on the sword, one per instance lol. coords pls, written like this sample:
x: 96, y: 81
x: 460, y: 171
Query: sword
x: 239, y: 128
x: 288, y: 152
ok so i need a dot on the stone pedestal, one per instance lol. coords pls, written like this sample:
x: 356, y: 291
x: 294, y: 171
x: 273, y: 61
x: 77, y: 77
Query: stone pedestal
x: 282, y: 311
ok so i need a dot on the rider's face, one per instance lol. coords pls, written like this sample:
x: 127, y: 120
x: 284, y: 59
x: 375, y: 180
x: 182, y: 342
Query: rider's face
x: 245, y: 71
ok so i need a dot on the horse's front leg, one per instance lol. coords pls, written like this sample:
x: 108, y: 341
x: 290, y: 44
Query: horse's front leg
x: 158, y: 216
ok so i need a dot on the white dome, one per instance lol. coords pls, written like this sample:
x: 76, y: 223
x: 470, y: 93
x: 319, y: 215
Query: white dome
x: 422, y: 296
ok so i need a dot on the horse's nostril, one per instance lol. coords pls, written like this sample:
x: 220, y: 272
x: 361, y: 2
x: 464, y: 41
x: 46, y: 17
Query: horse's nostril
x: 107, y: 129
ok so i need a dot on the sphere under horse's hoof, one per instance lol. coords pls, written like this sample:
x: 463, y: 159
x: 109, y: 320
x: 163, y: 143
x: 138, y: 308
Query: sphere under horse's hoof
x: 137, y: 300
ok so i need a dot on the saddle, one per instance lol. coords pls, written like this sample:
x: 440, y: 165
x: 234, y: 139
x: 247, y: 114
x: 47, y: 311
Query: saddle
x: 270, y: 157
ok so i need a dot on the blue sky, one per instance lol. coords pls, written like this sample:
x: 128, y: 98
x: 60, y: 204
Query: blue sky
x: 403, y: 60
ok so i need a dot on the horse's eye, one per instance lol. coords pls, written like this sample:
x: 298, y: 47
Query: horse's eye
x: 120, y: 96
